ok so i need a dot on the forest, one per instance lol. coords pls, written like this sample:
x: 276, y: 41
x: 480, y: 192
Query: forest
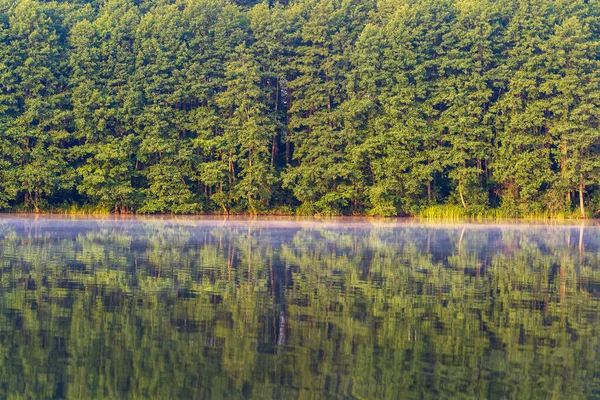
x: 308, y: 107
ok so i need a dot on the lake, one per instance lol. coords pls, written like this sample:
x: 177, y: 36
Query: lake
x: 283, y: 308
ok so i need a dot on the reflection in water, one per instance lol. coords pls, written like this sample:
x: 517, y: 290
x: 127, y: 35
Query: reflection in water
x: 167, y: 309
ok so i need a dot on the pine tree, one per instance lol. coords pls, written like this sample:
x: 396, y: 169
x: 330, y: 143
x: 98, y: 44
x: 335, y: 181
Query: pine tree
x: 105, y: 105
x: 464, y: 93
x: 572, y: 85
x: 248, y: 130
x: 321, y: 179
x: 522, y: 163
x: 34, y: 129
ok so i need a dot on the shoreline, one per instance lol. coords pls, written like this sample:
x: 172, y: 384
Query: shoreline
x: 450, y: 212
x: 306, y: 221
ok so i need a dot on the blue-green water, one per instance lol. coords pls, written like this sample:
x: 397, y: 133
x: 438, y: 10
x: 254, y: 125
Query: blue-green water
x: 214, y: 308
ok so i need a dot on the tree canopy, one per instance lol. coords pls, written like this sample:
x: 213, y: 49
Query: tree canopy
x: 331, y: 107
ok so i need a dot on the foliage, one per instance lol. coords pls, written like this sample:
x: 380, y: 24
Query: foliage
x: 320, y: 107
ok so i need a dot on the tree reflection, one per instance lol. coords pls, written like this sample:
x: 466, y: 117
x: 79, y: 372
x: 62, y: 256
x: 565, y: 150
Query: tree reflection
x: 159, y: 309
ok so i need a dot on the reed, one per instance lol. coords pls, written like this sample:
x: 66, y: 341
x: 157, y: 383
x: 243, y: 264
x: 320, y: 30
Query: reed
x: 451, y: 211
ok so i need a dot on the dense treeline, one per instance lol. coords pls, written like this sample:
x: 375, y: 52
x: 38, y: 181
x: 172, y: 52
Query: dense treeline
x: 384, y: 107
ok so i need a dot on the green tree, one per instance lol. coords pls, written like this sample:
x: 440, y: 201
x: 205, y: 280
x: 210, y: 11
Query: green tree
x: 34, y: 104
x: 573, y: 83
x: 522, y: 163
x: 105, y: 104
x: 248, y: 130
x: 322, y: 178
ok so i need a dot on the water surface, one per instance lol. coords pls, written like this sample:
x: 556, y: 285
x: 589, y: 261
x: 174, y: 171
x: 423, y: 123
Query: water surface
x: 212, y: 308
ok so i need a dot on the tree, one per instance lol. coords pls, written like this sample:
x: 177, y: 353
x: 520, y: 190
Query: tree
x: 573, y: 85
x: 34, y: 105
x: 248, y: 130
x: 321, y: 180
x: 105, y: 104
x: 522, y: 162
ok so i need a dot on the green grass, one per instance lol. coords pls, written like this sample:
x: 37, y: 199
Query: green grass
x: 65, y: 209
x: 444, y: 212
x: 458, y: 212
x: 441, y: 212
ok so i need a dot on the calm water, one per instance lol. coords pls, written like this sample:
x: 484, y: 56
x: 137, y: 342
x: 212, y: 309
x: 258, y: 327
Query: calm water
x: 283, y: 309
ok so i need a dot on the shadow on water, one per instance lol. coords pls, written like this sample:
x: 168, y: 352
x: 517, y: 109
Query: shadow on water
x: 236, y: 309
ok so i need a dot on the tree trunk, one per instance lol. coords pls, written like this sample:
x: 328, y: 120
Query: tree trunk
x: 429, y: 192
x: 581, y: 205
x: 274, y: 149
x: 462, y: 198
x: 563, y: 169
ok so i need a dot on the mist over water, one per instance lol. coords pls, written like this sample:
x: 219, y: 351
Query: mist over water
x: 213, y: 308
